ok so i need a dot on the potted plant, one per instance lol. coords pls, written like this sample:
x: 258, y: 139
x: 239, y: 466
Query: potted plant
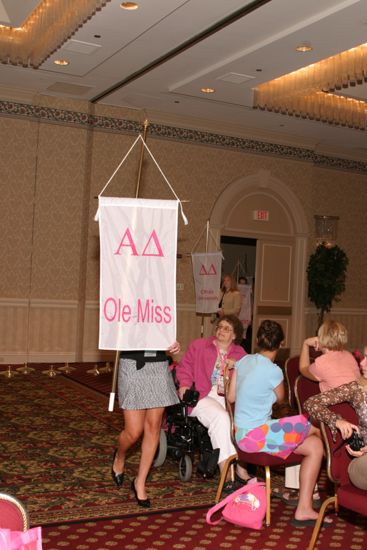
x: 326, y: 274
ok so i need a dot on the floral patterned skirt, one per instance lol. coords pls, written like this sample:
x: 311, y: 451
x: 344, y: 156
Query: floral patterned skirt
x: 276, y: 437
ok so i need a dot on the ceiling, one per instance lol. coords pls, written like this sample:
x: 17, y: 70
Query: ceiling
x: 211, y: 43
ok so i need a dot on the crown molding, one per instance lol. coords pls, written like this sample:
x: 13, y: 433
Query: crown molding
x: 97, y: 122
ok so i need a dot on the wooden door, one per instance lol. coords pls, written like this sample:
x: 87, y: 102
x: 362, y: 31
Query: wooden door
x: 273, y: 285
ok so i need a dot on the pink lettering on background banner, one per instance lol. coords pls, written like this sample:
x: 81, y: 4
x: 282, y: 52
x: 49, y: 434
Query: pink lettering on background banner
x: 211, y: 271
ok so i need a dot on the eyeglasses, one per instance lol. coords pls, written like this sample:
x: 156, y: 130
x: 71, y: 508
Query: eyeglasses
x: 224, y: 328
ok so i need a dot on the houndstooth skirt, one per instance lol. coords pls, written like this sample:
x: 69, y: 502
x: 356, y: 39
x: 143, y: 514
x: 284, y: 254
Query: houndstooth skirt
x: 147, y: 388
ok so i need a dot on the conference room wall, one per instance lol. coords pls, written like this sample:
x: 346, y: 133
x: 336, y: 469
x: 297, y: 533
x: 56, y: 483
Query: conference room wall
x: 53, y: 166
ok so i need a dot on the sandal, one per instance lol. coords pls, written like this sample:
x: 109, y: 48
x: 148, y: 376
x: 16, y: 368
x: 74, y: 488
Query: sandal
x: 240, y: 480
x: 290, y: 496
x: 231, y: 486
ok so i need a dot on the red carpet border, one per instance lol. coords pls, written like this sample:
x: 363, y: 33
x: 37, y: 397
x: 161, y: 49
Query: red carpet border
x: 188, y: 531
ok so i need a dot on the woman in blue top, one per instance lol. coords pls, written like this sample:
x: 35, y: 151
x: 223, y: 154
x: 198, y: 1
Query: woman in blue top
x: 256, y: 385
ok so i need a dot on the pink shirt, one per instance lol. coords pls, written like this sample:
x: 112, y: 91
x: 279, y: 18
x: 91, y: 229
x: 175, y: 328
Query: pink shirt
x: 335, y: 368
x: 198, y: 363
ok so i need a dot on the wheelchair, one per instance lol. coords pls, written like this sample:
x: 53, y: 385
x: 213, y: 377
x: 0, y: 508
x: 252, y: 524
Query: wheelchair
x: 182, y: 436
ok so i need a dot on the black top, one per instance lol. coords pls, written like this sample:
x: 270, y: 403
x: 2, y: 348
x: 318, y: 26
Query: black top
x: 140, y: 358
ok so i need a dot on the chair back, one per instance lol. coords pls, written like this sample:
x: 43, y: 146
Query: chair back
x: 337, y: 456
x: 291, y: 371
x: 13, y: 514
x: 303, y: 389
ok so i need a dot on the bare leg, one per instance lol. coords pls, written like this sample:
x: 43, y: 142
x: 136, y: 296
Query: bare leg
x: 312, y: 450
x: 133, y: 428
x: 152, y: 427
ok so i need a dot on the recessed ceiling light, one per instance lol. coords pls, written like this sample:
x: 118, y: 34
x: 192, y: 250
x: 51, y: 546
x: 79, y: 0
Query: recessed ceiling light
x: 129, y: 5
x: 304, y: 47
x: 207, y: 90
x: 62, y: 62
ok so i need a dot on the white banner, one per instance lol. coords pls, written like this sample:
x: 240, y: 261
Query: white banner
x: 138, y: 273
x: 245, y: 315
x: 207, y: 271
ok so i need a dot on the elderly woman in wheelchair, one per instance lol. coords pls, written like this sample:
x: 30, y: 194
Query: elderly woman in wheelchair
x: 203, y: 365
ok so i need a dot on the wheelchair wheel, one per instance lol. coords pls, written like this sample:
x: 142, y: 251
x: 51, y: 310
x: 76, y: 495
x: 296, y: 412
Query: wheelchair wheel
x: 185, y: 468
x: 160, y: 455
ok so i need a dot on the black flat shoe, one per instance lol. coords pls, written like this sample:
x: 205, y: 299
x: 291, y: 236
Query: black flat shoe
x: 117, y: 478
x: 144, y: 503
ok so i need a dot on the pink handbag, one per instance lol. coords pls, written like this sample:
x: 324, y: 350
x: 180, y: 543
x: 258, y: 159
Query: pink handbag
x: 21, y: 540
x: 245, y: 507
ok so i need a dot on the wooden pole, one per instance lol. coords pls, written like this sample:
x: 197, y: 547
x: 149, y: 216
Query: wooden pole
x: 137, y: 189
x: 206, y: 250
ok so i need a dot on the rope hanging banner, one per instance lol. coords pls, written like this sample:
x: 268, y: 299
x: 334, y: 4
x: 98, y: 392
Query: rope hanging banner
x: 140, y: 137
x: 138, y: 269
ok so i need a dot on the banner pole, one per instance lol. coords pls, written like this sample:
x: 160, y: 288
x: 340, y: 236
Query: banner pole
x: 206, y: 251
x: 146, y: 124
x: 117, y: 356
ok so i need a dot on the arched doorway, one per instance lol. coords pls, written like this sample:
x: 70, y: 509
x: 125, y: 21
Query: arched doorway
x: 262, y: 207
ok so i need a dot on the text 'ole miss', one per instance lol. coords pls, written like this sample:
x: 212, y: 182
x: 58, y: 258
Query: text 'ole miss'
x: 145, y: 312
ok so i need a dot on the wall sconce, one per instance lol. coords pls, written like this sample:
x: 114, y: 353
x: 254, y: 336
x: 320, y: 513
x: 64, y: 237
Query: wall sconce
x: 326, y: 228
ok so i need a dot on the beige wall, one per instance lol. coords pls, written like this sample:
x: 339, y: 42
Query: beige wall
x: 53, y: 169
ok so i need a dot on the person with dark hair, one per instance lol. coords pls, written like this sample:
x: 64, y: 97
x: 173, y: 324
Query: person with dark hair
x: 203, y: 365
x: 256, y: 385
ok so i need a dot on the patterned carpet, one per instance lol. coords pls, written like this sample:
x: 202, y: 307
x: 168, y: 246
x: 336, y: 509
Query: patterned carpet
x: 56, y: 441
x: 187, y: 530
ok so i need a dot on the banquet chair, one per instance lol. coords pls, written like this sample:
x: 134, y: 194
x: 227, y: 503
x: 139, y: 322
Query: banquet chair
x: 13, y: 514
x: 338, y: 459
x: 303, y: 389
x: 258, y: 459
x: 291, y: 371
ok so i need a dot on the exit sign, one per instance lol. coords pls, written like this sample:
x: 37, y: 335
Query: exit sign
x: 261, y: 215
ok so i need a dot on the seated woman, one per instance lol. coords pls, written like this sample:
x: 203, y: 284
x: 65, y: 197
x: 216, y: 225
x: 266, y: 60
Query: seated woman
x: 354, y: 393
x: 256, y: 385
x: 336, y: 365
x: 203, y: 364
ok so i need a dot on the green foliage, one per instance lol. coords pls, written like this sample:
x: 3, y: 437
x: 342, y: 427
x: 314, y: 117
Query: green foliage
x: 326, y: 274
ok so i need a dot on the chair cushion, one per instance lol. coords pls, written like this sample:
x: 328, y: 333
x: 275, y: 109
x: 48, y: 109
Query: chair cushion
x: 264, y: 459
x: 10, y: 516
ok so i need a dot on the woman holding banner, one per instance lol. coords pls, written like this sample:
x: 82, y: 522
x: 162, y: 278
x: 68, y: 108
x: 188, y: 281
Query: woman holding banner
x: 145, y: 388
